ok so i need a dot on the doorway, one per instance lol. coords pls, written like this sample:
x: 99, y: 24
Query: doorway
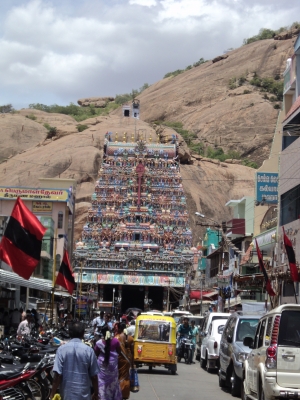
x: 133, y: 296
x: 156, y: 294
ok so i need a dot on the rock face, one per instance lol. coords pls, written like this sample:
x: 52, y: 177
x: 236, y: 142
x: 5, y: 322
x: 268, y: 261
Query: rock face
x: 98, y: 102
x: 240, y: 119
x: 208, y: 186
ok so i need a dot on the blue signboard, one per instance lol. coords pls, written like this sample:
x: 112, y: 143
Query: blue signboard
x: 267, y: 187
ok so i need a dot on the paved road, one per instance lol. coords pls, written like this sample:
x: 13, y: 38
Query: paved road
x: 190, y: 383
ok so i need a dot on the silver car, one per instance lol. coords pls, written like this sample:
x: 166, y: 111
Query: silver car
x: 233, y: 352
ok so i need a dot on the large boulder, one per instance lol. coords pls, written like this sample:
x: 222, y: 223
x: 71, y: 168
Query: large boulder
x: 98, y: 102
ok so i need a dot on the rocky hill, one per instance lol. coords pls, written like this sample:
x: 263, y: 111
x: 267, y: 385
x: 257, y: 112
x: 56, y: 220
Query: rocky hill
x: 217, y: 102
x: 78, y: 155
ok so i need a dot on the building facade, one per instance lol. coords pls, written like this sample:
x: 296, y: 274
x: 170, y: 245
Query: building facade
x: 53, y: 204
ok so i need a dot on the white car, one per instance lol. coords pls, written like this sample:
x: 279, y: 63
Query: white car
x: 272, y: 369
x: 209, y: 352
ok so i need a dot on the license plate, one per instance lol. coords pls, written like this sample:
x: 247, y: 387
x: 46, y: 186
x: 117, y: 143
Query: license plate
x: 52, y: 373
x: 43, y: 375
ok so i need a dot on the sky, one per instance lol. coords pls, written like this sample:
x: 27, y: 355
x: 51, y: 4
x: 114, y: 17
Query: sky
x: 58, y: 51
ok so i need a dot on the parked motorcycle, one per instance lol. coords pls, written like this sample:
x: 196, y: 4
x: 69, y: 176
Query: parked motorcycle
x: 185, y: 349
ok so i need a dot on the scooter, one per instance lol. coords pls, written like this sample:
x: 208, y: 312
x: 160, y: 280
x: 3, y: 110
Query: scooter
x: 185, y: 349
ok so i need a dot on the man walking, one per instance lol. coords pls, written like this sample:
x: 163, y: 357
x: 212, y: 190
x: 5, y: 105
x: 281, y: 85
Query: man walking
x: 75, y: 367
x: 195, y: 333
x: 98, y: 323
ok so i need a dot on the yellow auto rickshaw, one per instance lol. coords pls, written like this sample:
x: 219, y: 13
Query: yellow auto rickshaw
x: 155, y: 342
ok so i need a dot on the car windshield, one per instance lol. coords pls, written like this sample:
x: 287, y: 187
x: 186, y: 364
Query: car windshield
x: 289, y: 330
x: 246, y: 327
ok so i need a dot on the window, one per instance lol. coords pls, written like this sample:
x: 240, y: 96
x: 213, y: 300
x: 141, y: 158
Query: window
x: 290, y: 205
x: 256, y: 336
x: 60, y: 220
x: 261, y: 335
x: 246, y: 327
x: 289, y: 329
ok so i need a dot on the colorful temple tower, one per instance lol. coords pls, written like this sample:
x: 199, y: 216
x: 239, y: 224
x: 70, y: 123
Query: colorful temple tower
x: 136, y: 242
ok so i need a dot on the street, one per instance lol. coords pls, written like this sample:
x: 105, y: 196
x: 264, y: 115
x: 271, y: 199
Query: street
x: 190, y: 383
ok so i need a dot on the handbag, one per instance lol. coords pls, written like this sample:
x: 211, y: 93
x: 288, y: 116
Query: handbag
x: 134, y: 381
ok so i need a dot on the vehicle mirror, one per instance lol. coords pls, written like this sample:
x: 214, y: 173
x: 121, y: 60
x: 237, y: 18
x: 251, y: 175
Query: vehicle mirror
x: 248, y: 341
x: 229, y: 339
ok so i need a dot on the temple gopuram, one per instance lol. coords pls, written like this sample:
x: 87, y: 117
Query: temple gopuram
x: 135, y: 245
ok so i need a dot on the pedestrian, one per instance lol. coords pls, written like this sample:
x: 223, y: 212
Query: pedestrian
x: 98, y: 323
x: 75, y: 368
x: 131, y: 328
x: 125, y: 361
x: 194, y: 334
x: 24, y: 327
x: 107, y: 321
x: 107, y: 350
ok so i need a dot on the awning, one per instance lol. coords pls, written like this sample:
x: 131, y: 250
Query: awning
x: 34, y: 283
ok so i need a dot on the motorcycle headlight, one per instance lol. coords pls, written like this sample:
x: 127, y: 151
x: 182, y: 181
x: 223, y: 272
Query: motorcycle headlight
x: 241, y: 357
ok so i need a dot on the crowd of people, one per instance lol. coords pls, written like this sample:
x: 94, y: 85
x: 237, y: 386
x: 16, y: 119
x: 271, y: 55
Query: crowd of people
x: 19, y: 321
x: 107, y: 365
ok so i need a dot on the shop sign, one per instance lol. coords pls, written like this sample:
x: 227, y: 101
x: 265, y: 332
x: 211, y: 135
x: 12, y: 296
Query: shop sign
x: 8, y: 193
x: 42, y: 206
x: 267, y: 187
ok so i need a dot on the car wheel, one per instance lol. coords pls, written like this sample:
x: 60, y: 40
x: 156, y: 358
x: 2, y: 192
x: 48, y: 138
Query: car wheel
x: 207, y: 364
x: 202, y: 362
x: 235, y: 384
x: 222, y: 382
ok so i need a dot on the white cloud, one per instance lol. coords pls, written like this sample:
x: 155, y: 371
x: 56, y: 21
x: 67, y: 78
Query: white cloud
x: 61, y: 51
x: 145, y: 3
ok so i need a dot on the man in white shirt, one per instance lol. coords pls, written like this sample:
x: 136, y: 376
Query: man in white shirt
x: 131, y: 328
x: 98, y: 322
x: 24, y: 326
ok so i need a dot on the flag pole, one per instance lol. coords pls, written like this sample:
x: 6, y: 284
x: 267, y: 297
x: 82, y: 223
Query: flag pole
x: 53, y: 275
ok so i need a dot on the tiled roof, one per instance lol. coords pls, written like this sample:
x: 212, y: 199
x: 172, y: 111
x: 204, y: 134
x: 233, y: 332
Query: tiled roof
x: 294, y: 107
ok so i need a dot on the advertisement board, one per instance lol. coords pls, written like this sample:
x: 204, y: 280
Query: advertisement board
x: 267, y: 187
x: 7, y: 193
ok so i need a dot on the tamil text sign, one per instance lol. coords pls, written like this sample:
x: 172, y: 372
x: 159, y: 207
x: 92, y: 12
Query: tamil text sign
x: 267, y: 187
x: 34, y: 194
x: 41, y: 206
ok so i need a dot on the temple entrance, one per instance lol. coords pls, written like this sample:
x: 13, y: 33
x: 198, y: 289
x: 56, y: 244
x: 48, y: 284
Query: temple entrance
x: 156, y: 294
x: 133, y: 296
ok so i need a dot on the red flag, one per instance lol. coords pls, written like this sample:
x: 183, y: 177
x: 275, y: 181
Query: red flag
x: 263, y: 270
x: 65, y: 277
x: 21, y: 244
x: 291, y: 257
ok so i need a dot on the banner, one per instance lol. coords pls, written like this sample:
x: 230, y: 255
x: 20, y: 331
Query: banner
x: 138, y: 280
x: 34, y: 193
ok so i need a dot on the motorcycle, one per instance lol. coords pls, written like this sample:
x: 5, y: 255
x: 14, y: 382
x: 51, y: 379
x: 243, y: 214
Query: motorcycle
x: 185, y: 349
x: 18, y: 384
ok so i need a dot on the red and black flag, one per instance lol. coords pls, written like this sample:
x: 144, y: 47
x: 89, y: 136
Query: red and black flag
x: 65, y: 277
x: 263, y: 270
x: 21, y: 244
x: 291, y: 257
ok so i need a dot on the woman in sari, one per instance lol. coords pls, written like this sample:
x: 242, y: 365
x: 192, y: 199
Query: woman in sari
x: 125, y: 359
x: 107, y: 351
